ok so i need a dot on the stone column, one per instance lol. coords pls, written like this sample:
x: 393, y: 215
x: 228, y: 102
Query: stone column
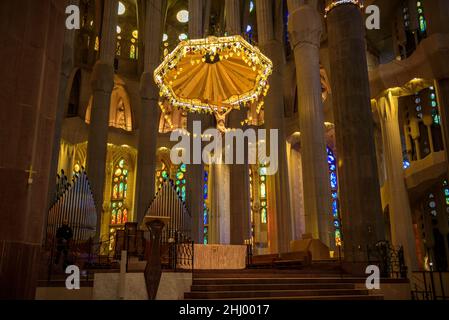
x: 150, y: 113
x: 436, y: 13
x: 305, y: 29
x: 240, y: 213
x: 195, y: 172
x: 102, y: 85
x: 357, y: 167
x: 64, y: 92
x: 402, y: 233
x: 196, y: 19
x: 232, y: 16
x: 29, y: 82
x: 274, y: 119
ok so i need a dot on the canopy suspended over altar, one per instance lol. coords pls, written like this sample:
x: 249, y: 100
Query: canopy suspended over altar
x: 207, y: 75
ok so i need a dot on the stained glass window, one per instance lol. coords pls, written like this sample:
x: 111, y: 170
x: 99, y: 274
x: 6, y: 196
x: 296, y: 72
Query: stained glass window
x: 119, y: 211
x: 332, y: 162
x: 132, y: 52
x: 263, y: 194
x: 118, y: 50
x: 162, y: 176
x: 97, y: 44
x: 251, y: 195
x: 206, y: 207
x: 181, y: 181
x: 421, y: 19
x: 434, y: 104
x: 446, y: 192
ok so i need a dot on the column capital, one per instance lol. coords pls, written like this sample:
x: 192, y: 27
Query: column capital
x: 388, y: 107
x: 305, y: 26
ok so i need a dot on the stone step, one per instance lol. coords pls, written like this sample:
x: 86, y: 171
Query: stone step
x: 273, y: 280
x: 271, y: 286
x: 274, y: 293
x: 60, y: 283
x: 316, y: 298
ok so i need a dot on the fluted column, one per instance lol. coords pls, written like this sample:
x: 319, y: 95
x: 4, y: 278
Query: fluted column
x: 280, y: 229
x: 196, y: 19
x: 400, y: 213
x: 195, y: 172
x: 240, y: 218
x: 357, y: 167
x: 150, y: 114
x: 232, y: 16
x: 102, y: 84
x: 305, y: 29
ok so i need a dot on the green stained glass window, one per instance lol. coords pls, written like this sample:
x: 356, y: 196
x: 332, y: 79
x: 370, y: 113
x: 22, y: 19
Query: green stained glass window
x: 119, y: 213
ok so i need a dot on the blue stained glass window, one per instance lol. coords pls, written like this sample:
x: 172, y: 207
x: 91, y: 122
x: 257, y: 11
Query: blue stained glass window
x: 334, y: 180
x: 406, y: 164
x: 335, y: 208
x: 206, y: 217
x: 334, y: 186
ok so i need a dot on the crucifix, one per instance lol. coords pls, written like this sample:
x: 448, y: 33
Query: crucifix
x: 30, y: 174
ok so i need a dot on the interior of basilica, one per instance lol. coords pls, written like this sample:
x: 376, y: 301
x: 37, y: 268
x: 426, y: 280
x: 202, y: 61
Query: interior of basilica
x: 362, y: 122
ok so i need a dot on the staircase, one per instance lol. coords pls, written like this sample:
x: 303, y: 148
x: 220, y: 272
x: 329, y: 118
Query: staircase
x: 320, y: 281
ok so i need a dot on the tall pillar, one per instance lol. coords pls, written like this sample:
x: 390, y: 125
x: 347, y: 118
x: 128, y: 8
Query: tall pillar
x: 232, y: 17
x: 357, y: 167
x: 240, y: 211
x: 102, y: 84
x: 436, y: 13
x: 150, y: 113
x: 196, y: 19
x: 274, y: 119
x: 195, y: 172
x: 305, y: 29
x: 66, y: 70
x: 29, y: 81
x: 402, y: 233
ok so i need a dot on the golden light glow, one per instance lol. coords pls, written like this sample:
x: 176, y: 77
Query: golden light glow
x: 136, y: 34
x: 206, y: 74
x: 336, y: 3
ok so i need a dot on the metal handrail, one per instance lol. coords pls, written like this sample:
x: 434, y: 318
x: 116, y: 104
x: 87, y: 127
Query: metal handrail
x: 429, y: 288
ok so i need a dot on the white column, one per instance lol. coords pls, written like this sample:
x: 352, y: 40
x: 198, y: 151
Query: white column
x: 305, y: 29
x: 400, y: 214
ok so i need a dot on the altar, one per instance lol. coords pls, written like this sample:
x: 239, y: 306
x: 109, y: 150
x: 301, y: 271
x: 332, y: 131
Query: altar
x: 219, y: 257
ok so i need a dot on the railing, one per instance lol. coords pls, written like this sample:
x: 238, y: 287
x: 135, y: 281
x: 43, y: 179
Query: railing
x: 430, y: 285
x: 389, y: 259
x: 180, y: 257
x: 86, y: 255
x: 249, y: 255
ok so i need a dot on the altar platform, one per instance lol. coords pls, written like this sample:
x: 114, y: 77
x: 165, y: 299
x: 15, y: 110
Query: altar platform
x: 219, y: 257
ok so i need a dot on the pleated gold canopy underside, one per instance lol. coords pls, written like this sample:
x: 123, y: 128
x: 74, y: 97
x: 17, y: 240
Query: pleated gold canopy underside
x: 187, y: 77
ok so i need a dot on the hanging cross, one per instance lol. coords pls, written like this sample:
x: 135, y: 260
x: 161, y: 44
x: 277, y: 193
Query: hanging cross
x: 30, y: 174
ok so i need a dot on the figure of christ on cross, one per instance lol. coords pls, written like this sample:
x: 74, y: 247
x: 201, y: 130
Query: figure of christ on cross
x: 220, y: 114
